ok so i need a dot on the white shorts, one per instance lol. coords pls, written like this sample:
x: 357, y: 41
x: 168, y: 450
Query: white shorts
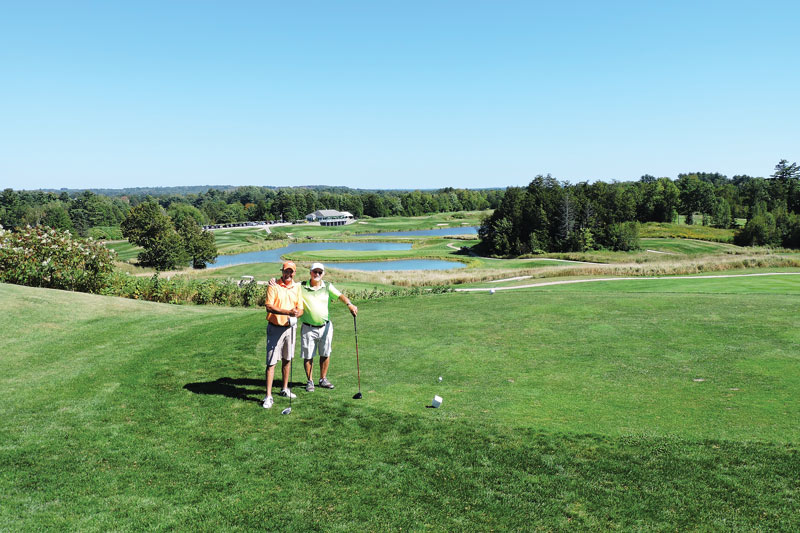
x: 280, y: 343
x: 316, y: 339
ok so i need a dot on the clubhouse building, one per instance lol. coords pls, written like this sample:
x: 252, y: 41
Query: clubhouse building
x: 330, y: 217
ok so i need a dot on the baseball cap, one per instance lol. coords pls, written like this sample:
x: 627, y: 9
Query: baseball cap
x: 289, y: 264
x: 317, y: 266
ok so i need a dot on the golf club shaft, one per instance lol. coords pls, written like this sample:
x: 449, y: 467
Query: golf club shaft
x: 358, y: 367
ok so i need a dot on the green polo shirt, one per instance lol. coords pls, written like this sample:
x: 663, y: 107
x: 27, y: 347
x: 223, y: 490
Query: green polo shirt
x: 315, y: 302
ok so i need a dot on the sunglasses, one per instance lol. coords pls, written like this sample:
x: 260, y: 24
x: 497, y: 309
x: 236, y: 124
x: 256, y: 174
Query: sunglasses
x: 317, y: 272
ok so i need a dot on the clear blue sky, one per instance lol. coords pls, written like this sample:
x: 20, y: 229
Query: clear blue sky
x: 401, y: 94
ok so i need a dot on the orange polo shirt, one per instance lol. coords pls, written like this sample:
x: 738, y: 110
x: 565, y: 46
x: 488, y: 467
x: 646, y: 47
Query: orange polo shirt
x: 283, y: 297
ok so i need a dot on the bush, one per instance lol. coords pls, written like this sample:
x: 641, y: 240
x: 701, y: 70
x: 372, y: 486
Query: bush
x: 183, y: 291
x: 759, y: 231
x: 50, y: 258
x: 376, y: 293
x: 622, y: 237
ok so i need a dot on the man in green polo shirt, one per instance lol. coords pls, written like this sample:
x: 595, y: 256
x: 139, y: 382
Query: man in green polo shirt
x: 316, y: 333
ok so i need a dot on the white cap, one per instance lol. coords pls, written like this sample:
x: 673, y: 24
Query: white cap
x: 317, y: 266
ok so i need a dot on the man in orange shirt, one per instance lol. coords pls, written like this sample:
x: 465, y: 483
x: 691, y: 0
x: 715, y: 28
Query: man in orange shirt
x: 284, y: 305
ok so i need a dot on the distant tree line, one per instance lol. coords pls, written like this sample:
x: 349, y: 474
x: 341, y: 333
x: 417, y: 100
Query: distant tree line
x: 545, y: 216
x: 549, y: 216
x: 80, y: 211
x: 77, y: 213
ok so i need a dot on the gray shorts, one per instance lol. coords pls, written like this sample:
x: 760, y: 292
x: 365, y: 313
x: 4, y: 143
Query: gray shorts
x: 280, y: 343
x: 316, y: 339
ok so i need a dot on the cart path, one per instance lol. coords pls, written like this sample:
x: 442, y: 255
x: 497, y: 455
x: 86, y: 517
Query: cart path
x: 509, y: 279
x: 564, y: 282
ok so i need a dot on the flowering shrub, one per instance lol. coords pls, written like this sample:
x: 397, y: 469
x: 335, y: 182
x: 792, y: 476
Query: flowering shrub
x: 50, y: 258
x: 45, y: 257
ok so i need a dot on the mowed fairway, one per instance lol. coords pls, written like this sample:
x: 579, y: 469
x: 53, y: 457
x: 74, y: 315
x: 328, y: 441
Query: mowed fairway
x: 563, y: 409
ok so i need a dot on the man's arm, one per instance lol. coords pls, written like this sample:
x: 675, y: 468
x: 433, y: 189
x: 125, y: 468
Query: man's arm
x: 299, y: 308
x: 353, y: 309
x: 272, y: 308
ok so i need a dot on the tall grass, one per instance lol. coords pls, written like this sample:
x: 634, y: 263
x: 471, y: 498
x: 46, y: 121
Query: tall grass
x: 683, y: 231
x: 662, y: 267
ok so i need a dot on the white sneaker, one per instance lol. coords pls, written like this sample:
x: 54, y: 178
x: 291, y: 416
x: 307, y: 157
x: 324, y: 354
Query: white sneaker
x: 286, y: 393
x: 267, y: 403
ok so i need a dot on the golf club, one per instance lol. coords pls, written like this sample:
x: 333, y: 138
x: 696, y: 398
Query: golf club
x: 289, y: 388
x: 357, y: 396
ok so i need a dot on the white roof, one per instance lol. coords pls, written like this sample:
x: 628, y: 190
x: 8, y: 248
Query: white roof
x: 327, y: 213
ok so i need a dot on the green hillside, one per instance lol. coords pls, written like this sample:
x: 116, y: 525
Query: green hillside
x: 562, y: 409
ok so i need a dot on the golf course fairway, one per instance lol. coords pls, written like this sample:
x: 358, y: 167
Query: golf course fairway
x: 625, y: 406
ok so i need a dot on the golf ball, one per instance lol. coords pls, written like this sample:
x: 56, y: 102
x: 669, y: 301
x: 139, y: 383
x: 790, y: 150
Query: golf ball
x: 440, y: 378
x: 491, y: 291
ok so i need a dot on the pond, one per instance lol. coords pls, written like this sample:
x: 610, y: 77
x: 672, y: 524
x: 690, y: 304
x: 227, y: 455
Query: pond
x: 400, y: 264
x: 274, y: 256
x: 456, y: 230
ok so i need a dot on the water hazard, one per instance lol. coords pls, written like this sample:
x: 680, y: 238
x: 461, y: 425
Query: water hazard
x: 274, y: 256
x: 400, y: 264
x: 462, y: 230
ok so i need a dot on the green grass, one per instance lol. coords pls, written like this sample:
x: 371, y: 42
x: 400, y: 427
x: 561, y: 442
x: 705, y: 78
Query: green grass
x: 730, y: 283
x: 240, y: 240
x: 563, y: 410
x: 681, y: 230
x: 105, y: 232
x: 125, y: 250
x: 688, y: 247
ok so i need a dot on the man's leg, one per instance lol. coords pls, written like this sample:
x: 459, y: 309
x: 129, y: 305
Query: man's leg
x: 308, y: 345
x: 287, y: 353
x: 324, y: 350
x: 323, y: 367
x: 309, y: 366
x: 270, y: 372
x: 285, y: 373
x: 270, y: 377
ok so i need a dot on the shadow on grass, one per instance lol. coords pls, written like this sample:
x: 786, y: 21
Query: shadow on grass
x: 239, y: 388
